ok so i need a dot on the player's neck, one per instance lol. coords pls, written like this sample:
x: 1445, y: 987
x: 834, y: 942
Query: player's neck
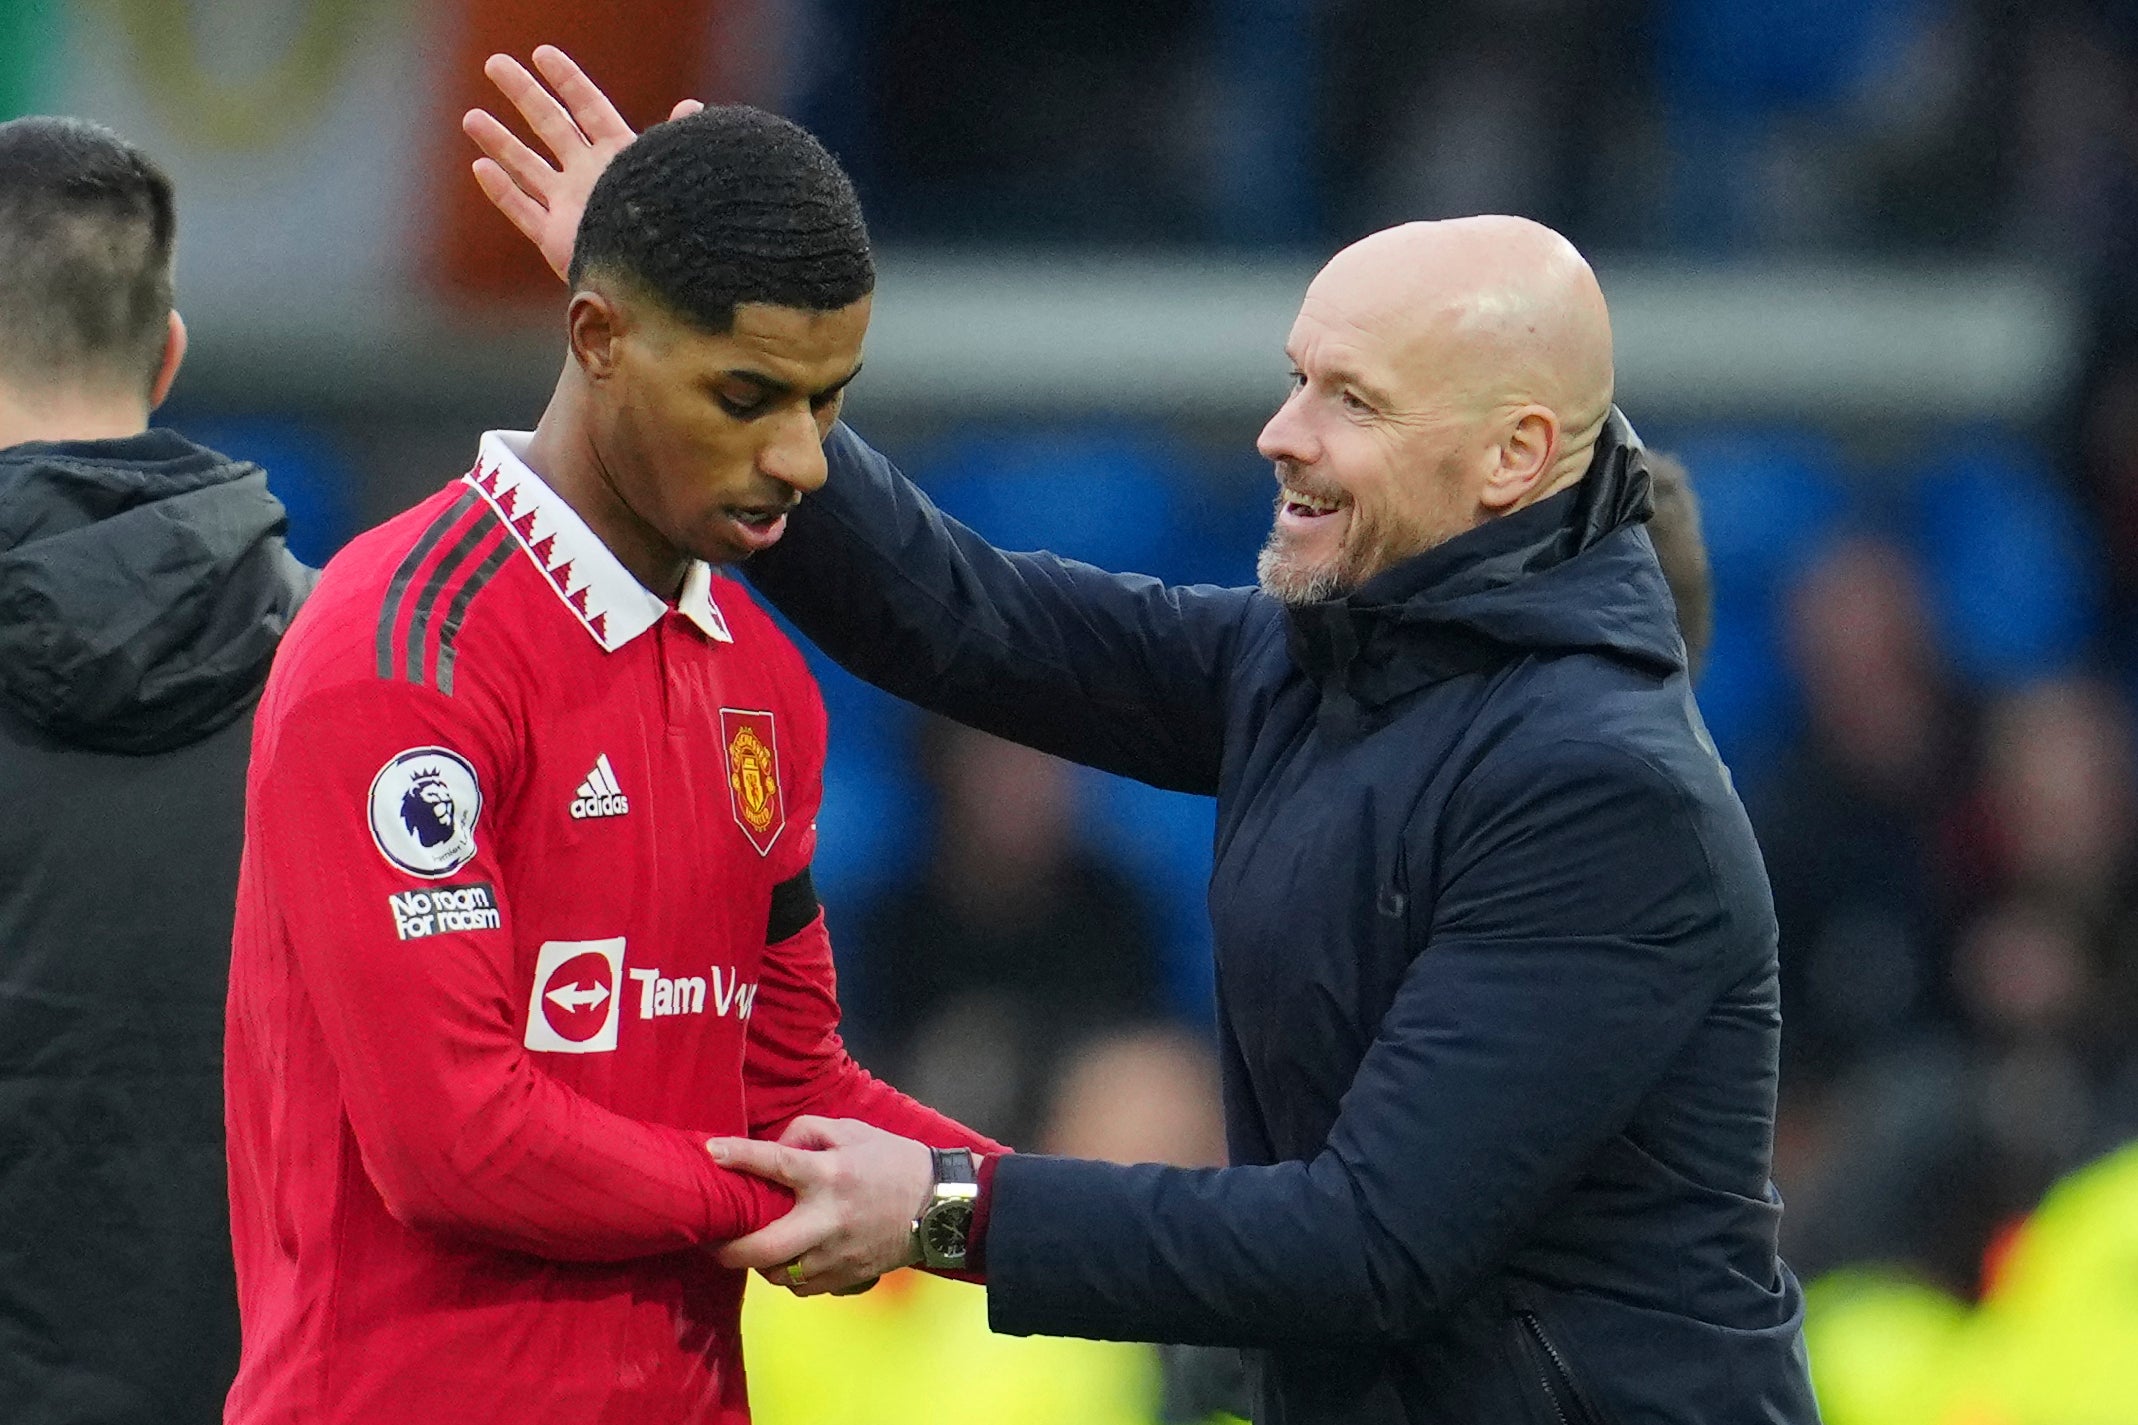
x: 58, y: 414
x: 562, y: 453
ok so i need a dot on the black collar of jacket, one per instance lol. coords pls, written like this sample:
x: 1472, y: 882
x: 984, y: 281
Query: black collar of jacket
x: 1419, y: 623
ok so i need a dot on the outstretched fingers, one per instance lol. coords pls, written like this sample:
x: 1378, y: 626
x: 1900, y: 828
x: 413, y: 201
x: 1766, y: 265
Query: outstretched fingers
x: 548, y: 118
x: 590, y: 109
x: 529, y: 216
x: 514, y: 159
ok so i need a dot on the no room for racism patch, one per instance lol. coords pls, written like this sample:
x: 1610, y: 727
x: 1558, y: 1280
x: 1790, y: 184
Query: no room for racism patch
x: 446, y: 909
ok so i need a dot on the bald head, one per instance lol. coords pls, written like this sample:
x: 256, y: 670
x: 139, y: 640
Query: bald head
x: 1486, y: 311
x: 1448, y: 372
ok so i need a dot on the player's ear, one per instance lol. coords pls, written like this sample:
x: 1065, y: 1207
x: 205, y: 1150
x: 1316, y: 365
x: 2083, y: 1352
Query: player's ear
x: 594, y: 324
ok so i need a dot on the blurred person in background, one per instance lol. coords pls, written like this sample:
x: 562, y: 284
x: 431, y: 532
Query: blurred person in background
x: 1852, y: 823
x: 1941, y: 1143
x: 1415, y: 1224
x: 1128, y: 1093
x: 1681, y: 551
x: 1014, y: 939
x: 2056, y: 811
x: 1944, y: 1137
x: 144, y: 587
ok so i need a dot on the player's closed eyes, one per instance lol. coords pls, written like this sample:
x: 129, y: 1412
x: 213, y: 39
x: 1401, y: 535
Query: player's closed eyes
x: 743, y: 403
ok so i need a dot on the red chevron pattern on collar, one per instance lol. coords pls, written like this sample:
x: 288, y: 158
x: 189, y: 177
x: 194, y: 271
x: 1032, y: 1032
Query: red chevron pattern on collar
x: 612, y: 605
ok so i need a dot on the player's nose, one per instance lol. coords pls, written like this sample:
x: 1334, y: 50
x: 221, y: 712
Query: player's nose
x: 795, y: 455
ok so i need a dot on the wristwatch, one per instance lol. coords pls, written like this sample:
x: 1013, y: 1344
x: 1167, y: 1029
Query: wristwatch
x: 941, y: 1232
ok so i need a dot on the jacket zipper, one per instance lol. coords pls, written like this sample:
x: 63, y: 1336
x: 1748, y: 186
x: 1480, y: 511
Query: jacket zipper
x: 1554, y: 1376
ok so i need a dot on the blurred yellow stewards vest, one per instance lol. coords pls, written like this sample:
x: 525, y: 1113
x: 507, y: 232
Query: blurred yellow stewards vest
x: 2054, y: 1342
x: 916, y: 1345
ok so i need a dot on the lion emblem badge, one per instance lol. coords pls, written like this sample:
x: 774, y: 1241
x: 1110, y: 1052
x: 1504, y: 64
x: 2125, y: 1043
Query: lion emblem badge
x: 423, y: 807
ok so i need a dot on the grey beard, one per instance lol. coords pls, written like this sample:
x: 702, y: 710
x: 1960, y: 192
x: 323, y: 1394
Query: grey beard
x: 1292, y: 586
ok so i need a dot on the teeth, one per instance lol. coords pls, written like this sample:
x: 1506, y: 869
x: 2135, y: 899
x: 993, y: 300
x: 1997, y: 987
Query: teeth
x: 1316, y: 504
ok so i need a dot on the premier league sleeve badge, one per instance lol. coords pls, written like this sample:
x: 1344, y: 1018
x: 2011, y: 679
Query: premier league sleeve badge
x: 424, y: 804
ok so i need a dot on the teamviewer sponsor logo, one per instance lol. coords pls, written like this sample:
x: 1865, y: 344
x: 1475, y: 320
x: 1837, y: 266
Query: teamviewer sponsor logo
x: 572, y: 1007
x: 417, y: 914
x: 599, y: 794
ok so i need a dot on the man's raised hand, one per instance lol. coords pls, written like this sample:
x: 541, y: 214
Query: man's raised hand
x: 857, y: 1191
x: 577, y: 124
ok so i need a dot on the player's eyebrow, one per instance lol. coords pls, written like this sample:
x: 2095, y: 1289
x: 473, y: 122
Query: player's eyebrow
x: 839, y: 385
x: 774, y: 389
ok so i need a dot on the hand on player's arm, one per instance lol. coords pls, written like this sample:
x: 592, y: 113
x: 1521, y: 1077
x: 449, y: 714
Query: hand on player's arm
x: 577, y: 124
x: 857, y: 1191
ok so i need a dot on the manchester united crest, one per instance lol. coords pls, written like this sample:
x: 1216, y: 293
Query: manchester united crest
x: 753, y: 776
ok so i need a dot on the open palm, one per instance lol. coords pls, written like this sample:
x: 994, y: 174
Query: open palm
x: 577, y: 124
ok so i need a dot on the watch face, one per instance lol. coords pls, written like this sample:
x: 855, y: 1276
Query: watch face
x: 944, y: 1231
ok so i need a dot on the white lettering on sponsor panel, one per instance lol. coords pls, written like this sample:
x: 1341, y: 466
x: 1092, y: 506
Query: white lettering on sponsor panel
x: 735, y: 995
x: 660, y: 997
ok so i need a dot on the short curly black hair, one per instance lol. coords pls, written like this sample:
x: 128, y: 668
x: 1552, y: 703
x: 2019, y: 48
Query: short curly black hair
x: 727, y: 206
x: 87, y: 225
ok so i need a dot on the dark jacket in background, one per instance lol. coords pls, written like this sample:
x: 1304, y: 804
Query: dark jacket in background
x: 143, y: 588
x: 1495, y: 961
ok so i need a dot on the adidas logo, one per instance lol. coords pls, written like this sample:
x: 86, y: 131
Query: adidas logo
x: 598, y: 794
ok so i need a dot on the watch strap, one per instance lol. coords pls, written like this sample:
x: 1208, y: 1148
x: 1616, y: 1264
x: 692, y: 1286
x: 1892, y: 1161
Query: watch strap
x: 954, y: 1165
x: 951, y: 1198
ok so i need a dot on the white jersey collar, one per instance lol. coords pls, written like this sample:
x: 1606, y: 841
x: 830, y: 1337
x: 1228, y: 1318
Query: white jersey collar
x: 591, y: 581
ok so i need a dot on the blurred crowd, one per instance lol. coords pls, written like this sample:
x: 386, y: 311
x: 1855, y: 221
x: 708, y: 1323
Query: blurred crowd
x: 1708, y: 126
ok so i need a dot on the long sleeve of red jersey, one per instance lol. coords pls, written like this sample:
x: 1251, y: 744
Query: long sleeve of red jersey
x: 459, y: 1131
x: 796, y: 1063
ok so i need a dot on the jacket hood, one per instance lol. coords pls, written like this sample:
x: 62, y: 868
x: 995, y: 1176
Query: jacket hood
x: 144, y: 586
x: 1574, y: 572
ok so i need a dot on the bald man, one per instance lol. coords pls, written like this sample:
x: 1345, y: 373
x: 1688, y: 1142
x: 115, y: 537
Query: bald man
x: 1495, y: 951
x: 1496, y: 972
x: 1452, y: 336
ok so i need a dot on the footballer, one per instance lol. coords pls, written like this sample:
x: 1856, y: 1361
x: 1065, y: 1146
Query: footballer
x: 526, y: 912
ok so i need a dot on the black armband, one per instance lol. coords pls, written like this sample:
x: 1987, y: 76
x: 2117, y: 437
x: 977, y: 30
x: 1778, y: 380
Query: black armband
x: 794, y: 906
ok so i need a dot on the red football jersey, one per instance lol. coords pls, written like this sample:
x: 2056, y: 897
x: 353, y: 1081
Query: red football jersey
x: 524, y: 917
